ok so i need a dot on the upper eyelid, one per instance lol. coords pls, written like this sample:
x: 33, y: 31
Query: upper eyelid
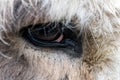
x: 46, y: 25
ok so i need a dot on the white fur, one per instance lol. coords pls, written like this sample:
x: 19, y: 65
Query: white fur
x: 100, y: 17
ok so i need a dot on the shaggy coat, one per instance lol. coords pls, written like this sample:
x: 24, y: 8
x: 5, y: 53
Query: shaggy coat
x: 98, y: 21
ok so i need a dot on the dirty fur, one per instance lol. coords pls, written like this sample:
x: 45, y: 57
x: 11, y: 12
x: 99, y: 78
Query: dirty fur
x: 98, y: 21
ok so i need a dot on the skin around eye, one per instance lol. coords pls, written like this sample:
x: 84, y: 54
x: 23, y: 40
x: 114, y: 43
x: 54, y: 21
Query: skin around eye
x: 56, y: 39
x: 48, y: 36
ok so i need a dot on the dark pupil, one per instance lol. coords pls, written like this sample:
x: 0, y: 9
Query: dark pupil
x: 46, y: 32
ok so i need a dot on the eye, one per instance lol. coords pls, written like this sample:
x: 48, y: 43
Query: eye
x: 47, y: 32
x: 49, y: 35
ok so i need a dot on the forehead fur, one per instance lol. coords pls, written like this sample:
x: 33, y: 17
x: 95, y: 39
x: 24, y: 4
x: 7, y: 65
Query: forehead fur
x: 15, y: 14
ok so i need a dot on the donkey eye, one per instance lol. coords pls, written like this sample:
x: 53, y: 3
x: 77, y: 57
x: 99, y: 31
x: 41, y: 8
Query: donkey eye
x: 49, y: 32
x: 48, y: 35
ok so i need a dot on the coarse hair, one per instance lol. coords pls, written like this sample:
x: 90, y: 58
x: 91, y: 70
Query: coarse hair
x: 97, y: 20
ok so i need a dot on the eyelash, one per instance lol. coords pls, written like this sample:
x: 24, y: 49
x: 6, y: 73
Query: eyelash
x: 46, y: 35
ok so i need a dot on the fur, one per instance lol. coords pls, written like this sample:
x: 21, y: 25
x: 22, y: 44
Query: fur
x: 97, y: 20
